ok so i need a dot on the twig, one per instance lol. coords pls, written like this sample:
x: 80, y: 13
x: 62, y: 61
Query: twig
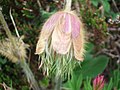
x: 102, y: 11
x: 115, y: 5
x: 105, y: 51
x: 14, y: 24
x: 5, y: 86
x: 39, y: 4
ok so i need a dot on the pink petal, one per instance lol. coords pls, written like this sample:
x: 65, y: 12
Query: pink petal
x: 77, y: 37
x: 67, y: 24
x: 98, y: 82
x: 61, y: 37
x: 46, y: 31
x: 95, y: 82
x: 50, y: 23
x: 75, y: 26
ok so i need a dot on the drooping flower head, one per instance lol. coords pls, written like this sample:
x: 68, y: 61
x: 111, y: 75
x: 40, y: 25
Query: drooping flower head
x: 66, y: 31
x: 98, y: 82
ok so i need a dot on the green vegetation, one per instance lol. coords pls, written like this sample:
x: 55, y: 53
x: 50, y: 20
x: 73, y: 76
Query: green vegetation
x: 101, y: 19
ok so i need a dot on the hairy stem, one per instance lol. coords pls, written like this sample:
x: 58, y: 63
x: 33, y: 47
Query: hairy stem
x: 29, y: 75
x: 58, y: 75
x: 58, y: 83
x: 68, y: 5
x: 5, y: 26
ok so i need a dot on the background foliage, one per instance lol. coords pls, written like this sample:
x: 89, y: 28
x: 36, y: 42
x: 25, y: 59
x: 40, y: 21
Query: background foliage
x: 102, y: 56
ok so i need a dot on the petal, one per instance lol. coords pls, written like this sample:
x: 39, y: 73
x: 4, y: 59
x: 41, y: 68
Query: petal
x: 78, y: 39
x: 46, y: 32
x: 50, y: 23
x: 101, y: 86
x: 40, y: 45
x: 75, y: 25
x: 61, y: 37
x: 67, y: 23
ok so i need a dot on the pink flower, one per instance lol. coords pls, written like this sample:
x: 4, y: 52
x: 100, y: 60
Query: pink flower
x: 98, y: 82
x: 64, y: 31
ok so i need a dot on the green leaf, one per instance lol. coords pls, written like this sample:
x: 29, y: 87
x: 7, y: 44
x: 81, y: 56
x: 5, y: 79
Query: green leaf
x: 46, y: 15
x: 116, y: 78
x: 92, y: 67
x: 89, y: 47
x: 25, y: 88
x: 2, y: 61
x: 109, y: 86
x: 106, y: 6
x: 44, y: 82
x: 87, y: 84
x: 95, y: 2
x: 74, y: 84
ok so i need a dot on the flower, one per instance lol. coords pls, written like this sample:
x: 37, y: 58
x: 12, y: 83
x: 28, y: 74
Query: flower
x: 66, y: 31
x: 98, y: 82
